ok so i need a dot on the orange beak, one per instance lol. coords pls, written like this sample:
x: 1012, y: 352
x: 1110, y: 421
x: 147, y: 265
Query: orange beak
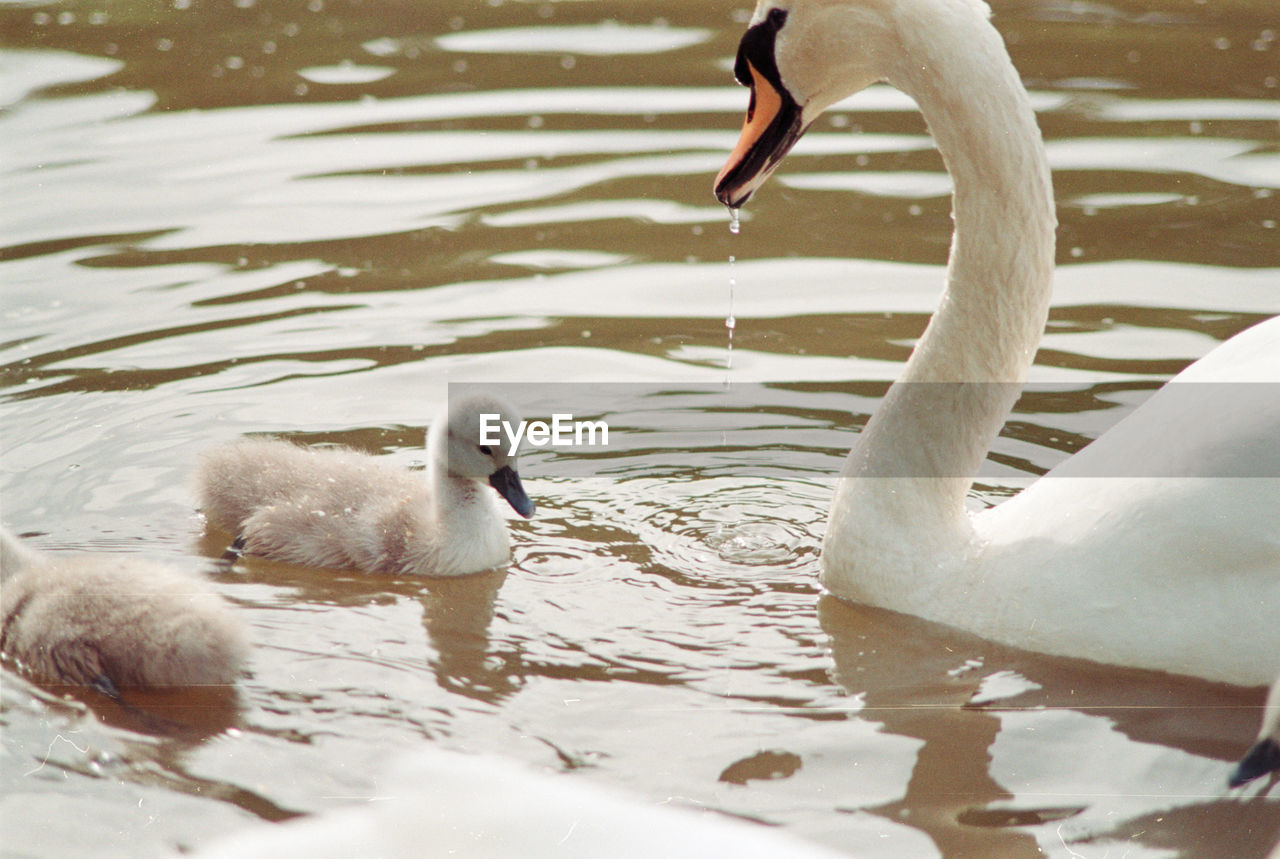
x: 772, y: 127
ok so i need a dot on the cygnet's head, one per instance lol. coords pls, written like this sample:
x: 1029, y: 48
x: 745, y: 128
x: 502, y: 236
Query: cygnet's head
x: 1263, y: 756
x: 467, y: 451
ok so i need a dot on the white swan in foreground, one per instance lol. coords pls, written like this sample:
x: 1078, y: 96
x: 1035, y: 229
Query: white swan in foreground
x: 1264, y: 755
x: 345, y: 509
x: 451, y: 804
x: 113, y: 621
x: 1173, y: 573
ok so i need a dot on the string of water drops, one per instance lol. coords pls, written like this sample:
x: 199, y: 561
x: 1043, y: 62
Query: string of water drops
x: 730, y: 322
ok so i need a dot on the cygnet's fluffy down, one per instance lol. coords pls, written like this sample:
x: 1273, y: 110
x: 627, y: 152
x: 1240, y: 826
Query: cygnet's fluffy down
x: 344, y: 509
x: 441, y: 803
x: 113, y: 621
x: 1263, y: 756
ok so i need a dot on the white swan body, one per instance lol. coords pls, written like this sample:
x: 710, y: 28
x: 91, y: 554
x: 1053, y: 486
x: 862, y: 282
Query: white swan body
x: 1154, y: 546
x: 345, y: 509
x: 1264, y: 755
x: 113, y: 621
x: 441, y: 803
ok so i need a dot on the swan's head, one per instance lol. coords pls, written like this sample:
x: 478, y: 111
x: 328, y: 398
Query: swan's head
x: 474, y: 445
x: 799, y: 58
x: 1263, y: 756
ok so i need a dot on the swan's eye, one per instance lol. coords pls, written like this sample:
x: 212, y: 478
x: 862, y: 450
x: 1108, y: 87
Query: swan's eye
x: 756, y: 48
x: 486, y: 450
x: 755, y: 54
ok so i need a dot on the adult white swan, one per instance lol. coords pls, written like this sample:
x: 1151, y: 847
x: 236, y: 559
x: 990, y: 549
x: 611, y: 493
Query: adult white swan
x: 442, y: 803
x: 1179, y: 573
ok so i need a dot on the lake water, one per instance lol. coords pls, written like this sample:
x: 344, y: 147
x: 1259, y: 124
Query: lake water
x: 308, y: 219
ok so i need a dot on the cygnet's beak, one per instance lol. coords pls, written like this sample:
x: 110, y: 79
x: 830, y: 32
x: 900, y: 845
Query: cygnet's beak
x: 773, y: 125
x: 1262, y: 758
x: 507, y: 482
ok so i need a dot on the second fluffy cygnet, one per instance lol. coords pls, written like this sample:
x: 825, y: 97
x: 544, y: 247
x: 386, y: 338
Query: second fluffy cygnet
x: 114, y: 621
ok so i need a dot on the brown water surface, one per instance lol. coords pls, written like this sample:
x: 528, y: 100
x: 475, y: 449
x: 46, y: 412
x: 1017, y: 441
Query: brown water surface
x: 307, y: 217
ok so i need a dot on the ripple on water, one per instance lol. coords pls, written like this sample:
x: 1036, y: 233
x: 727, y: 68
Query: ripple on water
x: 713, y: 531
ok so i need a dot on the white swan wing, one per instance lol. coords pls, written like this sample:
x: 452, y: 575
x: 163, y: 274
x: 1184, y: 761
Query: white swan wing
x: 1174, y: 513
x: 1220, y: 417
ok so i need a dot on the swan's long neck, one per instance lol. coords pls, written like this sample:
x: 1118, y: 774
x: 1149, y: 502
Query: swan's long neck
x: 991, y: 316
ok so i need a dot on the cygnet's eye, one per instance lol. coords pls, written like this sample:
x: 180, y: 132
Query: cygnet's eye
x: 486, y: 450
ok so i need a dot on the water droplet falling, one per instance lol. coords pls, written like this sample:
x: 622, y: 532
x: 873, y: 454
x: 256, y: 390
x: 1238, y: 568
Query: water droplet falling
x: 730, y: 321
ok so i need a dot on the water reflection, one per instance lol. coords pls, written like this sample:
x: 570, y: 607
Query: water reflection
x: 918, y: 688
x: 187, y: 716
x: 456, y: 614
x: 1054, y: 753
